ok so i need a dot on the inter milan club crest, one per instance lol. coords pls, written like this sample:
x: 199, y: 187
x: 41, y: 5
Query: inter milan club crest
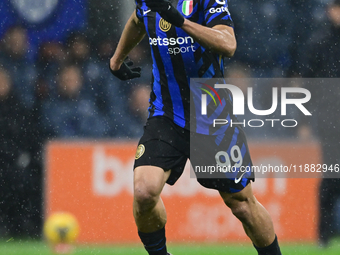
x: 140, y: 151
x: 35, y: 11
x: 187, y: 7
x: 164, y: 25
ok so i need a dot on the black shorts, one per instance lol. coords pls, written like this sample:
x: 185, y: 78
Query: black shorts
x: 167, y: 145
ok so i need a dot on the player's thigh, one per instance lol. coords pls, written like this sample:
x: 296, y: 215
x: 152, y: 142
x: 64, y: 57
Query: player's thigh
x: 163, y: 145
x: 149, y: 181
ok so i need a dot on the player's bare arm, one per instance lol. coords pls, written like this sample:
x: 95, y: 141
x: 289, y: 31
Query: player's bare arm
x: 220, y: 38
x: 133, y: 33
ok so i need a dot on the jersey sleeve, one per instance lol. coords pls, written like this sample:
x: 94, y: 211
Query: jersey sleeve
x: 139, y: 10
x: 216, y: 12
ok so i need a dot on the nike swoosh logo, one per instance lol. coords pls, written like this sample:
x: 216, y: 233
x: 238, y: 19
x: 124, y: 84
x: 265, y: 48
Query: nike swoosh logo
x: 237, y: 180
x: 146, y: 12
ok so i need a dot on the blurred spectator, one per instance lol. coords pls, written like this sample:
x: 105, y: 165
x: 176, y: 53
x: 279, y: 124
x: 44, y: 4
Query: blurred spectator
x: 116, y: 101
x: 324, y: 62
x: 71, y: 114
x: 19, y: 203
x: 100, y: 12
x: 105, y: 49
x: 78, y: 48
x: 16, y: 42
x: 263, y: 36
x: 14, y: 58
x: 303, y: 18
x: 106, y: 87
x: 128, y: 118
x: 80, y: 52
x: 238, y: 70
x: 51, y: 57
x: 138, y: 110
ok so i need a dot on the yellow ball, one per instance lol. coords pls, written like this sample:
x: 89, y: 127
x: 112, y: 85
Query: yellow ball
x: 61, y: 227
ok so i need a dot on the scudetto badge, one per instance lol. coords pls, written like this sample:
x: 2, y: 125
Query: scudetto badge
x: 164, y: 25
x: 187, y: 7
x: 140, y: 151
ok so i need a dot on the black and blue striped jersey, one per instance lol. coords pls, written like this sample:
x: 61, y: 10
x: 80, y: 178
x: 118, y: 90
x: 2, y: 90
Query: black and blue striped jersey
x: 177, y: 57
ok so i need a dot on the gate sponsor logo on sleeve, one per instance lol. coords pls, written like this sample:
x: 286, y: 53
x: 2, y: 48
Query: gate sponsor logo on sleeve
x: 219, y: 10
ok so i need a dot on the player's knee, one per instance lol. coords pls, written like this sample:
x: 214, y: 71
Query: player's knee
x: 145, y: 197
x: 241, y: 211
x: 240, y: 207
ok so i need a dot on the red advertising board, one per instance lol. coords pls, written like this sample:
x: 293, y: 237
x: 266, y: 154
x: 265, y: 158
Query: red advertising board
x: 93, y: 181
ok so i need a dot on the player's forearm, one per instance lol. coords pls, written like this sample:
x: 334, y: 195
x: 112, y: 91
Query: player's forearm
x: 219, y: 39
x: 133, y: 33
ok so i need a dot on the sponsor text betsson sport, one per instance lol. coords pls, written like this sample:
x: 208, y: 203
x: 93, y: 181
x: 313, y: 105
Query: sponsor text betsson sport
x: 175, y: 45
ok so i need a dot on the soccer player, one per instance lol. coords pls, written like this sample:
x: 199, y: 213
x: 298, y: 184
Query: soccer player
x: 188, y: 38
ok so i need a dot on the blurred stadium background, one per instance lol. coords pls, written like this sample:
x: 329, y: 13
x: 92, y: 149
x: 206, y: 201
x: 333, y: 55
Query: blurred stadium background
x: 69, y: 129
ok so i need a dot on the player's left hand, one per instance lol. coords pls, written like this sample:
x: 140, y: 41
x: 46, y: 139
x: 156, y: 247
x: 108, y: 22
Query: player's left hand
x: 166, y: 10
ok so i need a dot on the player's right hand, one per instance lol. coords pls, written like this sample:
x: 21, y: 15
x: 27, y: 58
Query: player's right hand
x: 126, y: 71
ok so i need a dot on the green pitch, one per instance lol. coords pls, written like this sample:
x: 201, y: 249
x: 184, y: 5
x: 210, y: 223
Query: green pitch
x: 12, y: 247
